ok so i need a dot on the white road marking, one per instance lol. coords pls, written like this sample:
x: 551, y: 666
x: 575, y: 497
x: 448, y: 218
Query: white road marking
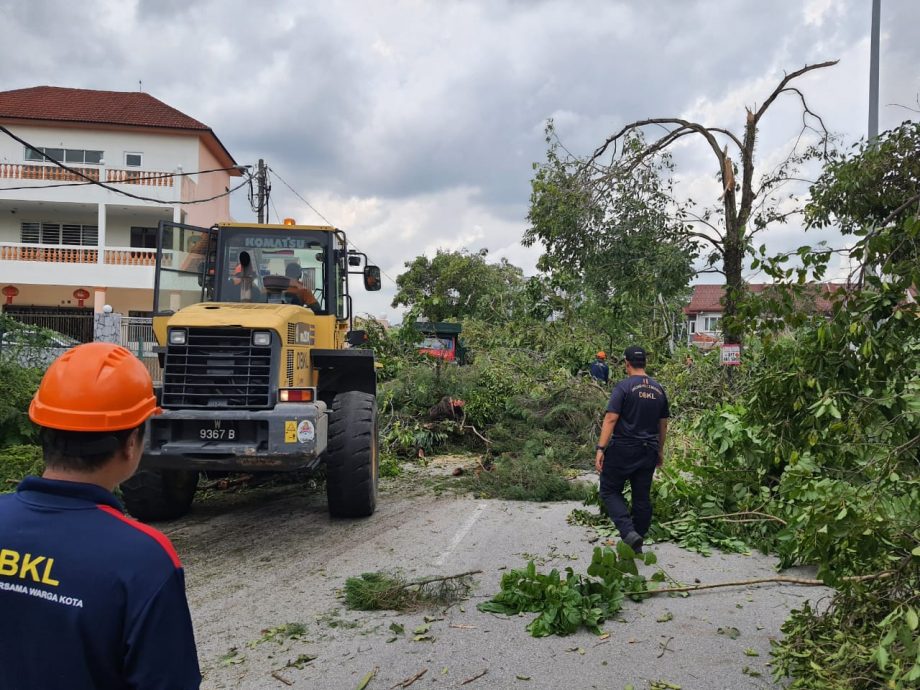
x: 461, y: 533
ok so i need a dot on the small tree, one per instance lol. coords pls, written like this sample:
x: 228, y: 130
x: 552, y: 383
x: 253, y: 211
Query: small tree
x: 460, y: 284
x: 613, y: 250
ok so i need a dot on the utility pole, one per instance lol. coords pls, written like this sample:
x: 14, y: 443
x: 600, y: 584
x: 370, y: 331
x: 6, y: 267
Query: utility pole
x: 264, y: 191
x: 873, y: 70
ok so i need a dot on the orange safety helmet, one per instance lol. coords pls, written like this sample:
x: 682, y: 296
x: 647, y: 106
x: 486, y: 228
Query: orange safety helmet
x: 94, y: 387
x: 602, y: 355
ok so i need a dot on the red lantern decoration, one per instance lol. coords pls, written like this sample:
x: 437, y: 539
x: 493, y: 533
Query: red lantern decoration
x: 10, y: 291
x: 81, y: 295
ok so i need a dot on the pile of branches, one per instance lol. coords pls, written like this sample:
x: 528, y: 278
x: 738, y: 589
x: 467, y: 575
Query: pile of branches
x: 381, y: 591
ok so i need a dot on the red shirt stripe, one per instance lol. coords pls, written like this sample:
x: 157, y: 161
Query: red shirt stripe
x: 158, y: 536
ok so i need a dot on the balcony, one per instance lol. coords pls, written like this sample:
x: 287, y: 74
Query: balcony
x: 49, y: 264
x: 35, y: 182
x: 69, y: 254
x: 53, y: 173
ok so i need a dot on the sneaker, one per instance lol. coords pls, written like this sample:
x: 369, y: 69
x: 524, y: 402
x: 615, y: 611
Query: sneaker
x: 634, y: 541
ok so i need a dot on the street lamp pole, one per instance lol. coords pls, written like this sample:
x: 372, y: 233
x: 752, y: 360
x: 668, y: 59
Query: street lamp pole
x: 873, y: 69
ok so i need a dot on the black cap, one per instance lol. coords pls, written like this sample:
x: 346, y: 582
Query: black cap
x: 635, y: 355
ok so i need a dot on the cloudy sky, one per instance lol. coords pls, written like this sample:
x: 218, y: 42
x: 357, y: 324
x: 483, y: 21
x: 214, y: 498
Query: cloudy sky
x: 413, y: 125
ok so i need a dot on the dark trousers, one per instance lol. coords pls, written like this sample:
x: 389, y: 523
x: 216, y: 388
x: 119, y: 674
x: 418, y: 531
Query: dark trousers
x: 635, y: 465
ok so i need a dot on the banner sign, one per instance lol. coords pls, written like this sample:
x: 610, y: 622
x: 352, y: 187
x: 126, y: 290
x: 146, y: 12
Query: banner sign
x: 731, y: 355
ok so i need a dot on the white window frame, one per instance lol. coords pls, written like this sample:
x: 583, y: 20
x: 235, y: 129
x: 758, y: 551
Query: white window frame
x: 38, y: 233
x: 707, y: 321
x: 134, y: 153
x: 28, y: 153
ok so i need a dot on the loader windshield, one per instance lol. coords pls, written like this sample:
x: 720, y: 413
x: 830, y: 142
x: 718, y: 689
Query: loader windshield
x: 274, y: 266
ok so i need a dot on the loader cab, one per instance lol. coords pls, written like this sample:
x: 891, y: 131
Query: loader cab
x: 302, y: 265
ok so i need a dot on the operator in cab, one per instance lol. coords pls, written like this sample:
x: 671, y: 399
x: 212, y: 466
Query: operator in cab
x: 299, y: 293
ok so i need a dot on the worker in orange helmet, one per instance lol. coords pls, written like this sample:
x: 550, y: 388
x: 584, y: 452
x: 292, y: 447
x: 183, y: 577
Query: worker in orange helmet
x: 90, y: 598
x: 599, y: 369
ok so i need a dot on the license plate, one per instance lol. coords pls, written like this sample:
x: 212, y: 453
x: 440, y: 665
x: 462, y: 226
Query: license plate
x: 228, y: 432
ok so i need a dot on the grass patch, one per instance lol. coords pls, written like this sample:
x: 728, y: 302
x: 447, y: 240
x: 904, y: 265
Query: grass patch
x: 16, y: 462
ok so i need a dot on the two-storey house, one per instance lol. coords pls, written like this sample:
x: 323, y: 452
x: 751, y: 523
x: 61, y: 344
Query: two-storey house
x: 704, y: 311
x: 68, y: 245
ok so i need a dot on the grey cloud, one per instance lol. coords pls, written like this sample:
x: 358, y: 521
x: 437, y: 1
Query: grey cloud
x: 405, y: 101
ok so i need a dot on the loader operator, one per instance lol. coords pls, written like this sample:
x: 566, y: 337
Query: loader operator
x: 298, y: 292
x: 631, y: 446
x: 90, y: 598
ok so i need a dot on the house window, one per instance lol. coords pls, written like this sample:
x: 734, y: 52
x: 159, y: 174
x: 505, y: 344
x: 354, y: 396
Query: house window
x: 712, y: 324
x: 134, y: 160
x: 693, y: 325
x: 144, y: 238
x: 55, y: 233
x: 80, y: 156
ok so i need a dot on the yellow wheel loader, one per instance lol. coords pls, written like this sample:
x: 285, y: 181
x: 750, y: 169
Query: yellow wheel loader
x: 261, y: 371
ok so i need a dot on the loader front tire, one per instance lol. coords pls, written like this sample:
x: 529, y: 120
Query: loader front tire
x: 159, y: 494
x: 351, y: 455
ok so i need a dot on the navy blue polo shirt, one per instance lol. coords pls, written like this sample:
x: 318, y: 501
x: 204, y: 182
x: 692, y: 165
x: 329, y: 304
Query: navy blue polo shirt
x: 599, y: 370
x: 641, y: 403
x: 88, y: 597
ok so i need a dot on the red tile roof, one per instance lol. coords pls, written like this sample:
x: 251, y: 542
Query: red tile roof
x: 707, y: 298
x: 122, y: 108
x: 133, y: 108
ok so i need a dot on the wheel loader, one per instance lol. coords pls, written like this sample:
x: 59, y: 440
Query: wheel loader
x: 261, y: 371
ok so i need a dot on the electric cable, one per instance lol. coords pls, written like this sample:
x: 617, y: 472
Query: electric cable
x: 328, y: 222
x: 109, y: 187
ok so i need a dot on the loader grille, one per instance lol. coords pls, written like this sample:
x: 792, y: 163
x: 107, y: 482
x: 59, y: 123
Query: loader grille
x: 217, y: 368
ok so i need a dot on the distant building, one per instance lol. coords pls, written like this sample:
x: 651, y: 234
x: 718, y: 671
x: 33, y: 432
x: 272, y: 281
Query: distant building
x: 704, y: 311
x: 72, y: 247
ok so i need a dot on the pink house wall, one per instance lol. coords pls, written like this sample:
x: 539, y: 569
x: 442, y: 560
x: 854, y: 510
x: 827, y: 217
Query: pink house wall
x: 208, y: 185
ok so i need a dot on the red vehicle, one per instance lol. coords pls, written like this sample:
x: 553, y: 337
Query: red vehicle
x: 441, y: 348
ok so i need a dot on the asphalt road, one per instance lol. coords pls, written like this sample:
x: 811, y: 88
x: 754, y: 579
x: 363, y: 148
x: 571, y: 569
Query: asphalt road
x: 271, y: 556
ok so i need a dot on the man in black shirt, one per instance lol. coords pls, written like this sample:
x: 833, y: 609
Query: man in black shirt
x: 631, y: 446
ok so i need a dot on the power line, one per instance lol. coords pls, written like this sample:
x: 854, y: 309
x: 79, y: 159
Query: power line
x: 89, y: 180
x: 129, y: 180
x: 328, y: 222
x: 300, y: 196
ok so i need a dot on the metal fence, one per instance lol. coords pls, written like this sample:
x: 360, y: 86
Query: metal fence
x: 137, y: 336
x: 72, y: 326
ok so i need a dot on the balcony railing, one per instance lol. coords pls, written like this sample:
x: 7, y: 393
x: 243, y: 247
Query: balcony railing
x: 26, y: 171
x: 141, y: 177
x: 53, y: 253
x: 130, y: 256
x: 69, y: 254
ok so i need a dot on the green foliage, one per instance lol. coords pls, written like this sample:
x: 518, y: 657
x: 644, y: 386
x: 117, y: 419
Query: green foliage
x: 18, y: 385
x: 459, y: 285
x: 860, y: 641
x: 565, y: 604
x: 395, y: 349
x: 381, y: 591
x: 612, y: 246
x: 527, y: 477
x: 17, y: 462
x: 829, y: 424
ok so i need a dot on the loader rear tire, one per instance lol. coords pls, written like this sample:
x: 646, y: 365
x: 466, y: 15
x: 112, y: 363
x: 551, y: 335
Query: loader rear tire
x: 159, y: 494
x: 351, y: 455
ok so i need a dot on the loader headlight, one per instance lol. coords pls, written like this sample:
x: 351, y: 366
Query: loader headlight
x: 177, y: 336
x: 262, y: 338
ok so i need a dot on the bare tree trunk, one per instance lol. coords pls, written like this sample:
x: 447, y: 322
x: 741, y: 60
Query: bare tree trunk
x: 731, y: 243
